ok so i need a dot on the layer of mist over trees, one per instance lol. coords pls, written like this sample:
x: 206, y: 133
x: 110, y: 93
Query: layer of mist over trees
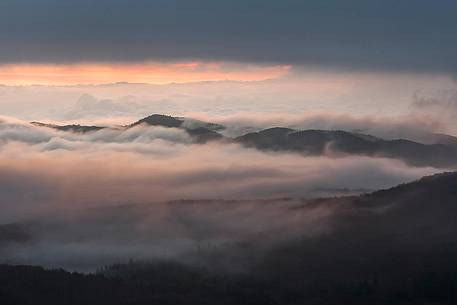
x: 396, y: 246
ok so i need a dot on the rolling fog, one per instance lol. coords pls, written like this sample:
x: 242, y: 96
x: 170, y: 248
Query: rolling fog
x: 84, y: 200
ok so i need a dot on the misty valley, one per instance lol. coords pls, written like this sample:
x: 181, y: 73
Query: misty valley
x: 196, y: 228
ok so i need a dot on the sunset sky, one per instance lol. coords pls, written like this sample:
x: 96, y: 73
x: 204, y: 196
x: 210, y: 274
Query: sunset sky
x: 88, y: 42
x: 143, y: 72
x: 284, y: 57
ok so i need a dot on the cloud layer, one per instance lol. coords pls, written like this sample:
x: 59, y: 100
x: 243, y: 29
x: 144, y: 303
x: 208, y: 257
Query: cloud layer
x: 414, y: 35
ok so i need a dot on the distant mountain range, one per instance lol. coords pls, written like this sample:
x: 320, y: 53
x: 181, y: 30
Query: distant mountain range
x: 73, y: 128
x: 325, y: 142
x: 442, y: 153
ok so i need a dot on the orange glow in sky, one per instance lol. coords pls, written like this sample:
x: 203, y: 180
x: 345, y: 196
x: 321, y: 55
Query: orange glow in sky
x: 154, y: 73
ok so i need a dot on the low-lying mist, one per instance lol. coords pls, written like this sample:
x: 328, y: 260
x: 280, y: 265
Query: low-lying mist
x: 84, y: 200
x: 43, y: 168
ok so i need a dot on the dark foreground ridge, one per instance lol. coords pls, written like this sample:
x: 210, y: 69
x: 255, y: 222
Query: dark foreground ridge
x: 396, y: 246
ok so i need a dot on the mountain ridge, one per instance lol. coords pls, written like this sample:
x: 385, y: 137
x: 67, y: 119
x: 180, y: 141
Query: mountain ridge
x: 313, y: 142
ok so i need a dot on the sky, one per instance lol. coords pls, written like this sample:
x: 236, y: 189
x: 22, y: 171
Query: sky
x: 354, y: 57
x: 68, y: 38
x: 393, y: 35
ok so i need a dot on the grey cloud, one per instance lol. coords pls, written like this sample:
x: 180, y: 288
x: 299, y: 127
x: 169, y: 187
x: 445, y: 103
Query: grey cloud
x: 88, y: 105
x: 414, y: 35
x: 446, y: 99
x: 437, y: 105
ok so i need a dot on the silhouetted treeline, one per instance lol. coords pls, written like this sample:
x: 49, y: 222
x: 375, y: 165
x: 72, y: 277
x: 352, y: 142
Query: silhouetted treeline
x: 293, y: 275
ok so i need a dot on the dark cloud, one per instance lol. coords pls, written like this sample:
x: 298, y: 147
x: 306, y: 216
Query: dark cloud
x: 446, y: 99
x: 417, y: 35
x: 88, y: 105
